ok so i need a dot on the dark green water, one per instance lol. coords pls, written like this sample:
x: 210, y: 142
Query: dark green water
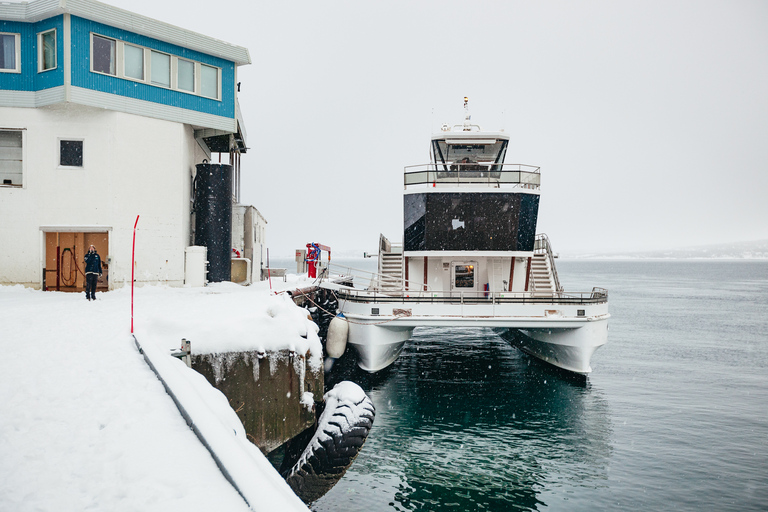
x: 674, y: 416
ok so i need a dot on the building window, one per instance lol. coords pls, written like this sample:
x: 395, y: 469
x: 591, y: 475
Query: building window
x: 11, y: 157
x: 133, y: 58
x: 103, y: 55
x: 209, y: 81
x: 152, y: 67
x: 71, y: 153
x: 46, y: 50
x: 9, y: 53
x: 186, y: 75
x: 161, y: 69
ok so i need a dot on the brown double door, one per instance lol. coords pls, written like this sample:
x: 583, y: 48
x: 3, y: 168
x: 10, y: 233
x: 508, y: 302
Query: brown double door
x: 64, y: 253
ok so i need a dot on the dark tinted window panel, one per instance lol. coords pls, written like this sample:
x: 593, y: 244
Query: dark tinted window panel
x: 529, y: 208
x: 415, y: 221
x: 71, y: 153
x: 470, y: 222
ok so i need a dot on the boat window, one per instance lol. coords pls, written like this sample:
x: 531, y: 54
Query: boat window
x: 450, y: 153
x: 464, y: 276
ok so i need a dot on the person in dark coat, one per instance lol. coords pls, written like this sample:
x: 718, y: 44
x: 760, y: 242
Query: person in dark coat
x: 92, y: 272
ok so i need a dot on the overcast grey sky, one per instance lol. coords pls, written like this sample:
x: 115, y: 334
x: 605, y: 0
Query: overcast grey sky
x: 649, y: 119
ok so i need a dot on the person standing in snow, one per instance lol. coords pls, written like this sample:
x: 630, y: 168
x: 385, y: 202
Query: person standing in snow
x: 92, y: 272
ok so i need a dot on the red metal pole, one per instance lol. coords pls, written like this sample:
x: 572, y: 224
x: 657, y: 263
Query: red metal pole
x: 133, y: 266
x: 58, y: 268
x: 528, y: 274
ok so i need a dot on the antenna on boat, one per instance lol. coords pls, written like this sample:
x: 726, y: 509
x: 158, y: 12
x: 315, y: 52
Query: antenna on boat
x: 467, y: 117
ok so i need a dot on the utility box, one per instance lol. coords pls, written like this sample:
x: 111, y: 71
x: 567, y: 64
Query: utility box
x: 241, y: 270
x: 195, y: 266
x: 301, y: 261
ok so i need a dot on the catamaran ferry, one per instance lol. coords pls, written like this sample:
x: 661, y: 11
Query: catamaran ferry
x: 470, y: 256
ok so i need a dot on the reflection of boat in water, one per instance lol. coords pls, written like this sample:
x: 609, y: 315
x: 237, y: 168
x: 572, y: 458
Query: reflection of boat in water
x: 483, y: 428
x: 470, y: 257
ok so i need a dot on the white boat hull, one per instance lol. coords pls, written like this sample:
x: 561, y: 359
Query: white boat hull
x: 564, y: 339
x: 377, y: 347
x: 568, y: 349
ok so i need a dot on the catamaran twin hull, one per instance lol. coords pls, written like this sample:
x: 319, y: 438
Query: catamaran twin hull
x: 564, y: 331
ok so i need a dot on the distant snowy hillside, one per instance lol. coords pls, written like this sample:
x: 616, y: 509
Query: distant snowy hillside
x: 757, y: 249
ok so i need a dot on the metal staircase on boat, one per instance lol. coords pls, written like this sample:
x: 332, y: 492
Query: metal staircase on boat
x: 544, y: 280
x: 391, y: 273
x: 541, y: 276
x: 390, y: 265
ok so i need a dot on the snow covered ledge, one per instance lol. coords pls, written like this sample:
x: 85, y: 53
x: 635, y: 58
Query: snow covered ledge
x: 208, y: 413
x: 85, y: 424
x: 235, y: 330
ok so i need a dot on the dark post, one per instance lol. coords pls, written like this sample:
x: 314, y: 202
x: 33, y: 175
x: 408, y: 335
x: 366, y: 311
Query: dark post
x: 213, y: 217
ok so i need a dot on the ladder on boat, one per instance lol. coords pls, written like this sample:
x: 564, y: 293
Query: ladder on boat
x: 543, y: 283
x: 390, y: 265
x: 544, y: 280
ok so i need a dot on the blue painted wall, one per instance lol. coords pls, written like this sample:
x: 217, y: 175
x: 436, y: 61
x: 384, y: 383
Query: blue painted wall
x: 83, y: 77
x: 29, y: 79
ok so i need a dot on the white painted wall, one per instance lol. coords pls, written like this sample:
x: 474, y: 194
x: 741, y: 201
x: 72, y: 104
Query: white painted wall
x: 521, y: 275
x: 132, y: 165
x: 439, y: 277
x: 248, y: 236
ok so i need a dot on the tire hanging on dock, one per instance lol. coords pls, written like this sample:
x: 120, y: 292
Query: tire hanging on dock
x: 342, y: 429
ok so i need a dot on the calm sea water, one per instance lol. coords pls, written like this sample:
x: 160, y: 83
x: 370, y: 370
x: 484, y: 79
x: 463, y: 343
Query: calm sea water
x: 673, y: 417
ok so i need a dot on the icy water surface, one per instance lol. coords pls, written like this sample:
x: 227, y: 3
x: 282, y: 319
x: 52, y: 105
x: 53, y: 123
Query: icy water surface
x: 673, y: 417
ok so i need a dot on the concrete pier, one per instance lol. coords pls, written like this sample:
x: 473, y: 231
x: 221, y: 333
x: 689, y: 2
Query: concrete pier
x: 273, y: 393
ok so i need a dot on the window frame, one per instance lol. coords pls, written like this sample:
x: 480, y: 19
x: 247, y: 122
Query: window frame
x: 17, y: 48
x: 218, y: 82
x: 23, y: 132
x: 59, y: 140
x: 149, y: 81
x: 174, y: 69
x: 121, y: 62
x: 175, y: 72
x: 94, y: 35
x: 41, y: 51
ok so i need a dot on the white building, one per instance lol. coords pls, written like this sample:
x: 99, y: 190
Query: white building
x: 103, y: 116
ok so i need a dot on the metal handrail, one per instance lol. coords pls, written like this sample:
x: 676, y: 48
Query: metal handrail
x: 340, y: 272
x: 523, y: 175
x: 543, y: 246
x: 596, y: 296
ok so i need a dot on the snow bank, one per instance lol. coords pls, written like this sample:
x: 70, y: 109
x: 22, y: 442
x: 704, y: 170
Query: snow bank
x: 84, y: 422
x: 225, y: 317
x: 218, y: 427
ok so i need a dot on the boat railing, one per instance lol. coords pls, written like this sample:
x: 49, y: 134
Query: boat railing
x: 493, y: 175
x: 543, y: 246
x: 373, y: 281
x: 596, y: 296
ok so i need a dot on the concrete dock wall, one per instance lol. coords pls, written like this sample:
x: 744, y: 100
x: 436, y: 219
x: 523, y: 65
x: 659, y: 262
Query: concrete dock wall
x: 273, y: 393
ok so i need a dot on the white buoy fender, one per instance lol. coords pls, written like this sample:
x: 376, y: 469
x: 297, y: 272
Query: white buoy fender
x: 336, y: 340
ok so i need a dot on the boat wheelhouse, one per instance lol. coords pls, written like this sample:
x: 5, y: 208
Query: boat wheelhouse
x: 470, y: 256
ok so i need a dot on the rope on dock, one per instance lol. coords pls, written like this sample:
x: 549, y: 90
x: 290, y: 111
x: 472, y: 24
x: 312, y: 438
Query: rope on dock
x: 345, y: 318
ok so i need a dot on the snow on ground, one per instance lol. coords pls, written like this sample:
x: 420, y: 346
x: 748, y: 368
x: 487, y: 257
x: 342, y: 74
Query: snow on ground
x: 86, y: 425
